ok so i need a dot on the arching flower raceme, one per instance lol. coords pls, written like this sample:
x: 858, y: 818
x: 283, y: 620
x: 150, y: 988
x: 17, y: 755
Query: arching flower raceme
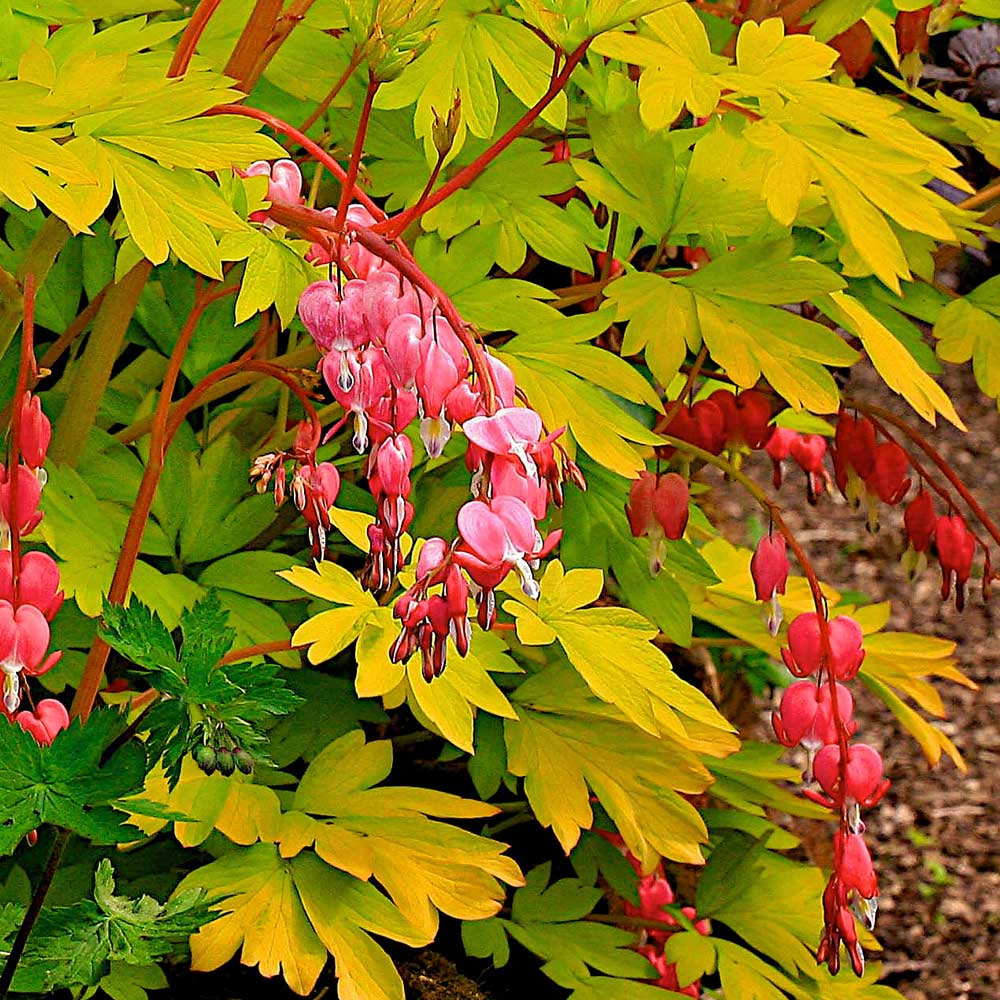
x: 769, y: 569
x: 956, y: 546
x: 804, y: 655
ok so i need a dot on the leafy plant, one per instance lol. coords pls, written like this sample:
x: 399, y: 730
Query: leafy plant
x: 523, y: 285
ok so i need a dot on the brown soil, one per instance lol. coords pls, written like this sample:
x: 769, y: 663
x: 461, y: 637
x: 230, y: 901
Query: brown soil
x: 935, y: 836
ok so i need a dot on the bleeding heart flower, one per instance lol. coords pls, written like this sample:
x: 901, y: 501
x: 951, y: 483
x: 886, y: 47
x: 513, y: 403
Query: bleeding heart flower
x: 956, y: 546
x: 769, y: 569
x: 29, y: 495
x: 48, y: 720
x: 806, y: 715
x: 38, y: 583
x: 778, y: 448
x: 35, y: 432
x: 853, y: 864
x: 804, y: 655
x: 864, y: 785
x: 808, y: 451
x: 853, y: 455
x: 702, y: 425
x: 24, y: 638
x: 284, y: 184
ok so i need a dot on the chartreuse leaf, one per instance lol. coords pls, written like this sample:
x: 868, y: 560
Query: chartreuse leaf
x: 76, y: 945
x: 679, y: 68
x: 386, y: 833
x: 448, y: 705
x: 969, y: 327
x: 566, y: 743
x: 67, y: 783
x: 202, y: 701
x: 729, y: 305
x: 467, y: 46
x: 894, y: 362
x: 286, y: 915
x: 637, y: 678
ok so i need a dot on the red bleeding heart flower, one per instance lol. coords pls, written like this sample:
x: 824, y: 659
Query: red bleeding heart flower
x: 956, y: 546
x: 853, y: 455
x: 888, y: 477
x: 778, y: 448
x: 38, y: 583
x: 24, y: 639
x: 658, y: 509
x: 808, y: 451
x: 701, y: 424
x: 865, y: 784
x: 806, y: 715
x: 804, y: 655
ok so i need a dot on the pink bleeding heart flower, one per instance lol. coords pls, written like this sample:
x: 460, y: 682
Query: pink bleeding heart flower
x: 35, y: 432
x: 29, y: 495
x: 314, y: 491
x: 48, y: 720
x: 503, y: 380
x: 24, y: 639
x: 369, y: 383
x: 511, y: 432
x: 284, y: 184
x: 806, y: 715
x: 402, y: 347
x: 507, y: 479
x: 804, y: 655
x: 864, y: 785
x: 769, y: 569
x: 437, y: 376
x: 38, y: 583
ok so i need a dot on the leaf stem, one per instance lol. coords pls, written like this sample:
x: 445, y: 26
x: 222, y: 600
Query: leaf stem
x: 94, y: 369
x: 331, y: 96
x: 350, y: 180
x: 259, y: 649
x: 313, y: 148
x: 33, y: 911
x: 97, y: 657
x: 255, y: 35
x: 192, y: 35
x: 470, y: 172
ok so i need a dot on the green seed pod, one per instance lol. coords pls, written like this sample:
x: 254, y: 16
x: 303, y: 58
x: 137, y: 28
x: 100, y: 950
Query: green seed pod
x: 225, y: 761
x: 244, y: 762
x: 205, y: 757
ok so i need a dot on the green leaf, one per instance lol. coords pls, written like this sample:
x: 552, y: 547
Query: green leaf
x: 253, y: 573
x: 970, y: 328
x: 76, y: 945
x: 66, y: 784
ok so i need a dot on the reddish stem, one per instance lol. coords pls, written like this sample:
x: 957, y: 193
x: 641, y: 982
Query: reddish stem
x: 27, y: 361
x: 334, y: 90
x: 695, y: 371
x: 79, y: 324
x: 347, y: 188
x: 300, y: 218
x: 191, y: 36
x: 314, y: 148
x: 932, y: 453
x: 252, y: 41
x: 278, y: 646
x: 97, y: 657
x: 469, y: 173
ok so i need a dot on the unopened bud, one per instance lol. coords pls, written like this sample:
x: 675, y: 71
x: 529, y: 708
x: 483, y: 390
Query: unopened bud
x: 444, y: 130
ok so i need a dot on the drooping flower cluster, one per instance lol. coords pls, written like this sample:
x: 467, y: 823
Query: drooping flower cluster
x: 30, y: 597
x: 817, y: 714
x: 655, y: 895
x: 395, y: 363
x: 658, y: 509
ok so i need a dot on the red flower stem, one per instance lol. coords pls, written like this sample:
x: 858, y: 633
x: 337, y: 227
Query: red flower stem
x: 97, y: 657
x: 773, y: 511
x: 300, y: 218
x: 469, y: 173
x: 320, y: 108
x: 313, y: 148
x: 924, y: 474
x: 283, y: 27
x: 191, y: 36
x: 252, y: 41
x: 86, y: 315
x: 932, y: 453
x: 403, y: 221
x: 347, y: 187
x: 693, y: 373
x: 27, y: 361
x: 278, y: 646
